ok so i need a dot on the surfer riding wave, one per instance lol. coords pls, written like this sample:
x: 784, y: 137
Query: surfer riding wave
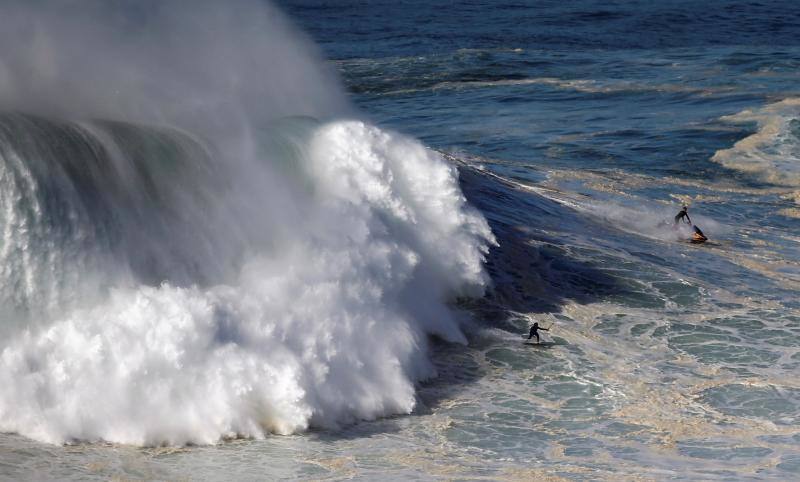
x: 535, y: 331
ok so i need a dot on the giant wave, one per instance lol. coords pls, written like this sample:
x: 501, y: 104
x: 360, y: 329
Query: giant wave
x: 200, y: 241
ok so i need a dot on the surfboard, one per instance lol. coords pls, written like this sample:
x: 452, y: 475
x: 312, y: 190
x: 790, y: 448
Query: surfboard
x: 544, y: 344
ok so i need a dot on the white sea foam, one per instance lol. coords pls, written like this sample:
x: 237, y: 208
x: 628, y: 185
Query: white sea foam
x: 773, y: 151
x: 330, y: 329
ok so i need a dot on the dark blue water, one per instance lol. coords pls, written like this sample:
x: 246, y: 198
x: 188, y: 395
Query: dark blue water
x: 601, y: 86
x: 597, y: 85
x: 579, y: 126
x: 375, y: 28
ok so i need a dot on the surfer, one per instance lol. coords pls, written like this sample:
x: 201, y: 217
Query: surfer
x: 684, y: 213
x: 535, y: 331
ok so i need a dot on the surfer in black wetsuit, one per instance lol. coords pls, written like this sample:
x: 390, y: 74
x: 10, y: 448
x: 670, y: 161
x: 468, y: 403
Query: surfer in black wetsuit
x: 535, y: 331
x: 683, y: 214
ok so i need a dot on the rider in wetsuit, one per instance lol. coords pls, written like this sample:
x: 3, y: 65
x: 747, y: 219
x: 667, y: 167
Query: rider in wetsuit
x: 683, y: 214
x: 535, y: 331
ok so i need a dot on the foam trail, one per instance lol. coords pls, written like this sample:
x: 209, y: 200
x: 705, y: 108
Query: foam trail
x: 652, y: 221
x: 196, y: 265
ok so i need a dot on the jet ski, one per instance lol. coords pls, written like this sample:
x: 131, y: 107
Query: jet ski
x: 682, y: 232
x: 697, y: 236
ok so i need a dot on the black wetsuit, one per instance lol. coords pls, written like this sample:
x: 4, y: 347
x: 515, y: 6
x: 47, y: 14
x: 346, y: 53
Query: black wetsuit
x: 681, y: 215
x: 534, y: 331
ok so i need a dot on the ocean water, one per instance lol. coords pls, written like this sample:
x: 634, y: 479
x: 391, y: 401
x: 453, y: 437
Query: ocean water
x: 306, y: 240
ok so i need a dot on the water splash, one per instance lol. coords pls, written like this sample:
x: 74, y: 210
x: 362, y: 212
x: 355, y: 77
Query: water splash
x: 186, y: 263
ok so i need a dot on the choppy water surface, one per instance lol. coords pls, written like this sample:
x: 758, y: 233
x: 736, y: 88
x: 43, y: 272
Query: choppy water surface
x: 576, y: 129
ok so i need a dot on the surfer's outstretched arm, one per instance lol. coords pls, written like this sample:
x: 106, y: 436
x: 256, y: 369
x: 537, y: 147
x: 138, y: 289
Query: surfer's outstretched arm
x: 545, y: 329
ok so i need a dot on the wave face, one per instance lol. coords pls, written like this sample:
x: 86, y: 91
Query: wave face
x: 197, y: 265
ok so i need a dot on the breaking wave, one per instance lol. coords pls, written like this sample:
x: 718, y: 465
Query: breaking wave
x: 200, y: 243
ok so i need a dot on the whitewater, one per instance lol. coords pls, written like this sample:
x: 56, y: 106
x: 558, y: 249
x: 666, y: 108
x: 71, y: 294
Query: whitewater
x: 201, y: 241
